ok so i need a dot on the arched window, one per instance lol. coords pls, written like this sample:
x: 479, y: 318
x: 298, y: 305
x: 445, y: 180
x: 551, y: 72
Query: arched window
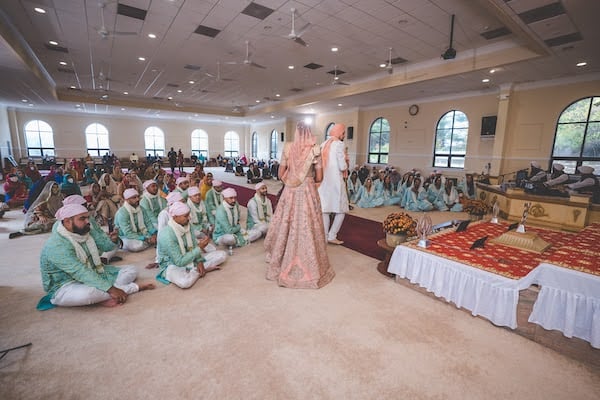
x: 379, y: 141
x: 329, y: 126
x: 96, y: 138
x: 200, y: 142
x: 273, y: 152
x: 232, y: 145
x: 451, y: 140
x: 254, y: 145
x: 154, y: 141
x: 577, y: 139
x: 39, y: 138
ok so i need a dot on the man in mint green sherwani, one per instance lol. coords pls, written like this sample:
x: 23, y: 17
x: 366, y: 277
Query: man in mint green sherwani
x: 152, y: 202
x: 71, y: 269
x: 213, y: 199
x: 135, y: 227
x: 228, y: 231
x: 180, y: 257
x: 260, y: 209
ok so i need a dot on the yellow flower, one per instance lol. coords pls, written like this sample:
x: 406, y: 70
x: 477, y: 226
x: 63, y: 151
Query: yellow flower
x: 400, y: 223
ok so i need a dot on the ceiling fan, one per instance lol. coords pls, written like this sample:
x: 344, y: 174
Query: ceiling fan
x: 104, y: 32
x: 294, y: 35
x: 218, y: 77
x: 247, y: 60
x: 336, y: 78
x: 450, y: 52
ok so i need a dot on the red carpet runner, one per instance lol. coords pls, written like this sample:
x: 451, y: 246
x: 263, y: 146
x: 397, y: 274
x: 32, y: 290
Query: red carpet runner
x: 359, y: 234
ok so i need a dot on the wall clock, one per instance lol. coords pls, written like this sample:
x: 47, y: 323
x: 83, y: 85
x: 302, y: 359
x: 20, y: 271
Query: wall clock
x: 413, y: 110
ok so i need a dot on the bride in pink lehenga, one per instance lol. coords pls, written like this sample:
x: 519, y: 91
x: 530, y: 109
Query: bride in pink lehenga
x: 295, y: 243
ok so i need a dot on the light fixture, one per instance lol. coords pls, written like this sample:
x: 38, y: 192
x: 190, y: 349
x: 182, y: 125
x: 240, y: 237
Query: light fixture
x: 191, y: 82
x: 170, y: 98
x: 492, y: 71
x: 334, y: 49
x: 308, y: 121
x: 486, y: 80
x: 40, y: 10
x: 72, y: 87
x: 272, y: 116
x: 152, y: 36
x: 125, y: 93
x: 24, y: 100
x: 122, y: 109
x: 277, y: 95
x: 30, y: 104
x: 382, y: 65
x: 77, y: 105
x: 179, y: 91
x: 290, y: 67
x: 142, y: 58
x: 581, y: 64
x: 62, y: 63
x: 53, y: 42
x: 258, y: 101
x: 340, y: 104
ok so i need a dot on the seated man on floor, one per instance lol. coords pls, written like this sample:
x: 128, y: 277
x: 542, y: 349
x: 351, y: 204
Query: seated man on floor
x: 260, y: 209
x: 181, y: 260
x: 228, y: 231
x: 183, y: 183
x: 152, y: 202
x: 135, y: 227
x: 72, y: 272
x: 109, y: 241
x: 213, y: 200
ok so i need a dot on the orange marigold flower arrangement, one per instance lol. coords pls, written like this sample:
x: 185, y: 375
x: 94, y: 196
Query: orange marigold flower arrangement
x: 400, y: 223
x: 476, y: 207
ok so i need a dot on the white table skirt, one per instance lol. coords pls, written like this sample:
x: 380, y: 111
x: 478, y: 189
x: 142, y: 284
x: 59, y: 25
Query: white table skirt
x: 569, y: 301
x: 483, y: 293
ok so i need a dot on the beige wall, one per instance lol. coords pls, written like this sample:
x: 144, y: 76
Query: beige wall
x: 5, y: 138
x: 530, y: 123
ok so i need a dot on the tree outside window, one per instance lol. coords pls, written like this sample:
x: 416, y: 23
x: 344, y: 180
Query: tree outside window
x: 451, y: 140
x: 254, y: 145
x: 232, y: 145
x: 154, y: 141
x: 379, y: 141
x: 39, y: 138
x: 200, y: 143
x: 96, y: 138
x: 577, y: 138
x: 273, y: 153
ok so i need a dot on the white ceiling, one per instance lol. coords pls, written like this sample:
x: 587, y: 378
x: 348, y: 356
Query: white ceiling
x: 363, y: 30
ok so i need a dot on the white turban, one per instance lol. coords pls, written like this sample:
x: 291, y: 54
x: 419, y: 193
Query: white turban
x: 182, y: 179
x: 217, y: 183
x: 558, y: 167
x: 74, y: 199
x: 229, y: 192
x: 70, y: 210
x: 585, y: 169
x: 178, y: 208
x: 536, y: 164
x: 174, y: 197
x: 193, y: 190
x: 148, y: 183
x: 129, y: 193
x: 259, y: 185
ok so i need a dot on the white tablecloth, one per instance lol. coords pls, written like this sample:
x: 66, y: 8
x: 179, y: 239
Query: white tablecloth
x: 483, y: 293
x: 569, y: 300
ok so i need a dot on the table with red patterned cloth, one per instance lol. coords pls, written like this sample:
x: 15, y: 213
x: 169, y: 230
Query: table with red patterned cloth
x: 487, y: 280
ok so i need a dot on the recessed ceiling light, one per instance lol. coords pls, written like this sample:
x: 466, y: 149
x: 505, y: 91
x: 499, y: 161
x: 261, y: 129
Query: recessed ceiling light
x: 62, y: 63
x: 122, y: 109
x: 142, y: 58
x: 170, y: 98
x: 258, y: 101
x: 152, y: 36
x: 492, y: 71
x: 40, y: 10
x: 272, y: 116
x: 53, y: 42
x: 277, y: 95
x: 179, y: 91
x: 340, y: 104
x: 30, y: 104
x: 77, y: 105
x: 382, y: 65
x: 334, y: 49
x: 308, y: 121
x: 126, y: 93
x: 191, y: 82
x: 24, y: 100
x: 486, y: 80
x: 581, y: 64
x: 72, y: 87
x: 290, y: 67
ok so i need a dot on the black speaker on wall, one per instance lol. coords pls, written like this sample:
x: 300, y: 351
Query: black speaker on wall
x: 350, y: 133
x: 488, y: 126
x: 282, y: 136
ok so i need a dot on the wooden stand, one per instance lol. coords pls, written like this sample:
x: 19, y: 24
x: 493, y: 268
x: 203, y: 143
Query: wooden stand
x: 382, y: 267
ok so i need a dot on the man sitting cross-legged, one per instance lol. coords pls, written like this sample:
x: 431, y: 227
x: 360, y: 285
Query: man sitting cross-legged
x: 213, y: 199
x: 72, y: 273
x: 181, y: 260
x: 135, y: 228
x: 228, y: 231
x: 260, y: 209
x: 152, y: 202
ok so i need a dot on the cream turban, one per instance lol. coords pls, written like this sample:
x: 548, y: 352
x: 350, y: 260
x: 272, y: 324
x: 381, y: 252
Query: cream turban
x: 129, y: 193
x: 584, y: 169
x: 70, y: 210
x: 217, y: 183
x: 259, y: 185
x: 174, y: 197
x: 177, y: 209
x: 229, y: 192
x: 182, y: 179
x: 148, y: 183
x: 74, y: 199
x: 558, y: 167
x: 193, y: 190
